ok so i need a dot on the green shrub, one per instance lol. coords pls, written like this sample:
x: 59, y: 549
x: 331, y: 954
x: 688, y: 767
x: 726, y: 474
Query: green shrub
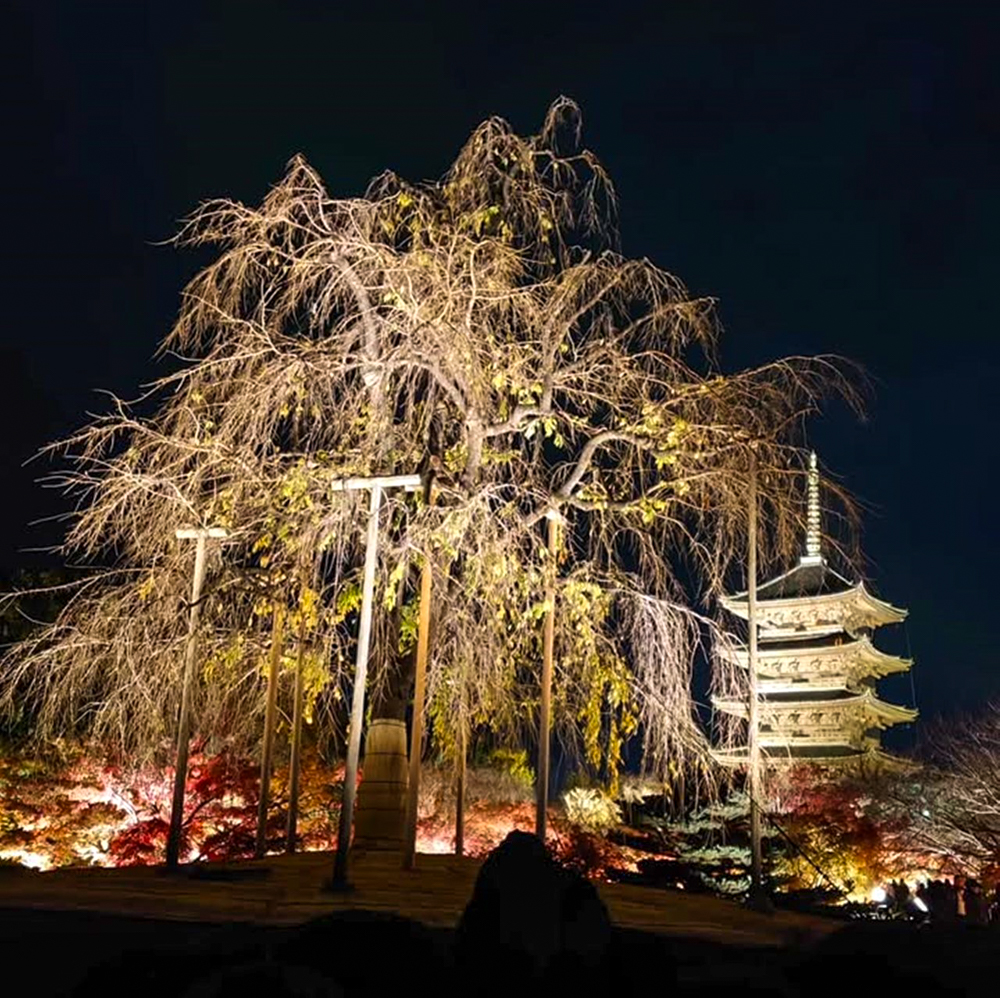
x: 591, y: 810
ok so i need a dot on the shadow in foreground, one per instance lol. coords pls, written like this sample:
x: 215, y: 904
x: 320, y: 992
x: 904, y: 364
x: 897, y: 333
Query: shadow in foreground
x: 530, y: 928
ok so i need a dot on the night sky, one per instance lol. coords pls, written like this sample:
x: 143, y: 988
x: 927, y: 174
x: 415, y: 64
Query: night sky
x: 827, y: 171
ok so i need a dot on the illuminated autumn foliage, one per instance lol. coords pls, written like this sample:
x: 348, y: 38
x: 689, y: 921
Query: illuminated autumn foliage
x: 67, y: 809
x: 840, y: 836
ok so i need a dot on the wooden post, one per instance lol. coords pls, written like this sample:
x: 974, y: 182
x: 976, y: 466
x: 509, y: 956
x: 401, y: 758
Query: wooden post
x: 757, y: 893
x: 270, y: 716
x: 417, y: 728
x: 545, y: 718
x: 295, y: 765
x: 200, y: 535
x: 358, y: 696
x: 463, y: 751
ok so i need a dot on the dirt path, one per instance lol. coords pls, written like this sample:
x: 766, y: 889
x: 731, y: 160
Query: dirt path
x: 289, y: 891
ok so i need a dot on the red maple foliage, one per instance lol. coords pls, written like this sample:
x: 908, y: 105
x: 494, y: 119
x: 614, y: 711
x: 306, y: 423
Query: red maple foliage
x: 220, y: 816
x: 839, y: 826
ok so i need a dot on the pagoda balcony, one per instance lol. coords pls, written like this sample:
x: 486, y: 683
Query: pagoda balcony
x: 833, y: 752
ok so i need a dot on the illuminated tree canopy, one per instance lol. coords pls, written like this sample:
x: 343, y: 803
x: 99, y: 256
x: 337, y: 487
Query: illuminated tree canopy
x: 483, y: 329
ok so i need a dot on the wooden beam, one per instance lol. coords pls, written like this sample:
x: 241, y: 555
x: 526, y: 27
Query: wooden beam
x: 295, y: 766
x: 417, y: 727
x: 408, y: 482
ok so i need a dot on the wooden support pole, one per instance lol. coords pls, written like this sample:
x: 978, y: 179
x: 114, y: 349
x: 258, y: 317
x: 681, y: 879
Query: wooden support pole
x: 417, y: 727
x: 755, y: 788
x: 463, y: 752
x: 270, y: 718
x: 295, y: 765
x: 358, y: 696
x: 545, y: 711
x: 200, y: 536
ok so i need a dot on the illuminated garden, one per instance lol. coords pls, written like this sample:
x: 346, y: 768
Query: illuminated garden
x: 427, y: 536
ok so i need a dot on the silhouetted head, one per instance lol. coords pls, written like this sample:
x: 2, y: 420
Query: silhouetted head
x: 529, y: 921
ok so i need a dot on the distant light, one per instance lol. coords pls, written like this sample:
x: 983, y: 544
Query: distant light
x: 920, y: 904
x: 879, y: 895
x: 926, y: 813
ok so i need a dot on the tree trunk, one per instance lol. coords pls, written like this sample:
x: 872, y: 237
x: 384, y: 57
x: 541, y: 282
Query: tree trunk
x: 380, y: 820
x: 393, y: 700
x: 381, y: 817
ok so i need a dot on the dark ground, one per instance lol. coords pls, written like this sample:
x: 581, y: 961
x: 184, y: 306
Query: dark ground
x: 513, y: 924
x: 77, y: 954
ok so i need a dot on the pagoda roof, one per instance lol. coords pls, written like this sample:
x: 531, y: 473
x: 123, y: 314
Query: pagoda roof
x: 867, y: 703
x: 836, y: 605
x: 810, y: 577
x: 858, y: 651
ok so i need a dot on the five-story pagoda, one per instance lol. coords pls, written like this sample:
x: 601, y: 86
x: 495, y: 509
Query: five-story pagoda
x: 816, y: 665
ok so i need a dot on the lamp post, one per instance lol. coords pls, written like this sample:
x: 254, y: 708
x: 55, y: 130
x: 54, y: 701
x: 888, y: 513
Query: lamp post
x: 200, y: 535
x: 375, y: 487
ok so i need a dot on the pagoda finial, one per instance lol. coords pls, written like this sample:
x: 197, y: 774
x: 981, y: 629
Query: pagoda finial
x: 814, y: 544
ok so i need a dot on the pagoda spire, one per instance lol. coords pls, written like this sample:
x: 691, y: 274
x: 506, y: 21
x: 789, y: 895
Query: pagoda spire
x: 814, y: 542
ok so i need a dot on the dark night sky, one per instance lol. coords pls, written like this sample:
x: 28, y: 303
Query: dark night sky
x: 828, y: 171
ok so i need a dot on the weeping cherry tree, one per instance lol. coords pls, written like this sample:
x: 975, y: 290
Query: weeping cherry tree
x: 486, y: 331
